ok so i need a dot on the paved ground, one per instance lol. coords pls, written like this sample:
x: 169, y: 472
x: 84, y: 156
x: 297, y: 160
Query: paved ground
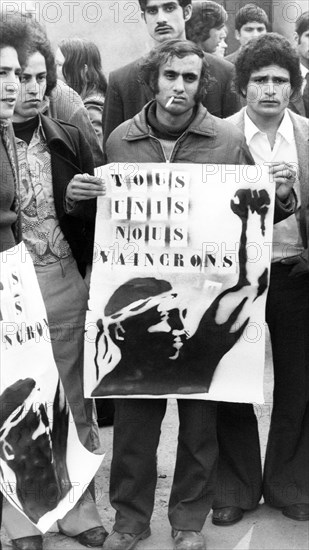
x: 263, y: 529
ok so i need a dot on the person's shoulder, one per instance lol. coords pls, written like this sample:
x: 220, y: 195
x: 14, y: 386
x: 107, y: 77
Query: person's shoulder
x: 232, y: 56
x: 64, y: 95
x: 236, y: 118
x: 219, y: 62
x: 298, y: 120
x: 221, y: 127
x: 125, y: 72
x: 119, y: 133
x: 59, y: 129
x: 228, y: 125
x: 57, y: 123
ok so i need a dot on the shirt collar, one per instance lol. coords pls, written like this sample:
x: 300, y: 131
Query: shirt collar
x: 38, y: 132
x: 285, y: 129
x: 303, y: 70
x: 40, y: 129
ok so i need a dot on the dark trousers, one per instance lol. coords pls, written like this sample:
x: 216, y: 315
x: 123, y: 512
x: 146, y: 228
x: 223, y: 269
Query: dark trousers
x: 137, y: 428
x: 286, y: 470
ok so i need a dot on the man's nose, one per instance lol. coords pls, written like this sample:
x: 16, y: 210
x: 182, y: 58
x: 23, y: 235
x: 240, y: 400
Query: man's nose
x: 256, y: 33
x: 270, y: 89
x: 161, y: 16
x: 178, y: 84
x: 12, y: 86
x: 32, y: 86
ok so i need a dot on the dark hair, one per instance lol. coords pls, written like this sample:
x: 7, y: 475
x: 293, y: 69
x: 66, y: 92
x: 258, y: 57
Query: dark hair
x: 149, y: 69
x: 182, y: 3
x: 302, y: 23
x: 267, y: 49
x: 77, y: 53
x: 14, y: 33
x: 205, y: 16
x: 40, y: 43
x: 248, y: 13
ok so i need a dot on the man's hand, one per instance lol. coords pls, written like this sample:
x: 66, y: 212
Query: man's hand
x: 84, y: 187
x: 284, y: 175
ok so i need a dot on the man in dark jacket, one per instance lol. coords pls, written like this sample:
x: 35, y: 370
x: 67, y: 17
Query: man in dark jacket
x: 55, y: 165
x: 250, y: 22
x: 299, y: 103
x: 126, y: 95
x: 174, y: 127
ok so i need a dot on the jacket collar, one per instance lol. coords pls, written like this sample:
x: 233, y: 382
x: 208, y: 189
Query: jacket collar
x: 55, y: 132
x: 203, y: 124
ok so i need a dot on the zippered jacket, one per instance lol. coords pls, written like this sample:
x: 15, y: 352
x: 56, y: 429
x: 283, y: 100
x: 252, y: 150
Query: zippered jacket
x: 208, y: 139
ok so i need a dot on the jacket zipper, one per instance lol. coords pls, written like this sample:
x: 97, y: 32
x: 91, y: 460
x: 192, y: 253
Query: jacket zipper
x: 173, y: 150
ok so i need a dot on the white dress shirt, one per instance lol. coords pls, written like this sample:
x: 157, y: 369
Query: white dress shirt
x: 304, y: 71
x: 286, y: 236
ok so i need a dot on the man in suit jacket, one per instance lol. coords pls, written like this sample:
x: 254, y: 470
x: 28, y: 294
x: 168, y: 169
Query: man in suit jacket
x: 267, y: 72
x: 300, y: 102
x: 126, y: 94
x: 250, y: 22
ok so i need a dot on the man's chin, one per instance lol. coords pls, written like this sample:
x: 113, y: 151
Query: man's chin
x: 6, y: 114
x: 163, y: 37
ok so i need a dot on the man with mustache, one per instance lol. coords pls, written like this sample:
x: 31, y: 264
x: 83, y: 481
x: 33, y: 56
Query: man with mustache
x: 174, y: 127
x: 268, y: 75
x: 126, y: 94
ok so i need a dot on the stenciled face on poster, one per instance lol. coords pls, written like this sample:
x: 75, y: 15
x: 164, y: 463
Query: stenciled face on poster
x: 180, y: 288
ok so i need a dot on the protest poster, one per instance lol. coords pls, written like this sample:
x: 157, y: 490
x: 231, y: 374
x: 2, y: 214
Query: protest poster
x: 179, y: 282
x: 40, y: 453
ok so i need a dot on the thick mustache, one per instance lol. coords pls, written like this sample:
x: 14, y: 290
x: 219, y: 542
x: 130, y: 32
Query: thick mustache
x: 162, y: 26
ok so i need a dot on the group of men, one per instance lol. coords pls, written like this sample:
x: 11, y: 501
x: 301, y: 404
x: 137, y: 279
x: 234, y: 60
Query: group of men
x: 169, y: 107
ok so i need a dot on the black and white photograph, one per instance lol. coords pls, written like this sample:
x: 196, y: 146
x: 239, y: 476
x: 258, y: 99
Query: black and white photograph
x: 154, y: 274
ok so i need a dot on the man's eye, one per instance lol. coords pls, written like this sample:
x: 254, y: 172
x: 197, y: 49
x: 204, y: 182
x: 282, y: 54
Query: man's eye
x: 170, y: 8
x: 190, y: 78
x: 151, y: 11
x: 3, y: 72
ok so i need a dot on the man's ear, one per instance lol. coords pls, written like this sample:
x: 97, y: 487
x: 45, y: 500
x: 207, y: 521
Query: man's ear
x: 295, y: 39
x: 187, y: 12
x: 294, y: 95
x: 237, y: 35
x: 243, y: 92
x: 143, y: 16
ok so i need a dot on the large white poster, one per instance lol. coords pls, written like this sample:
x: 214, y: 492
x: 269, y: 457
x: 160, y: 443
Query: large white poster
x: 40, y: 453
x: 179, y: 282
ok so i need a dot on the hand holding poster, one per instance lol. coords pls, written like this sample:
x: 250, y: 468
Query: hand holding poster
x: 40, y: 453
x: 179, y: 282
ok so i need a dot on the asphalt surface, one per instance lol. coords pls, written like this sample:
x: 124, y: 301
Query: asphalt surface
x: 263, y: 529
